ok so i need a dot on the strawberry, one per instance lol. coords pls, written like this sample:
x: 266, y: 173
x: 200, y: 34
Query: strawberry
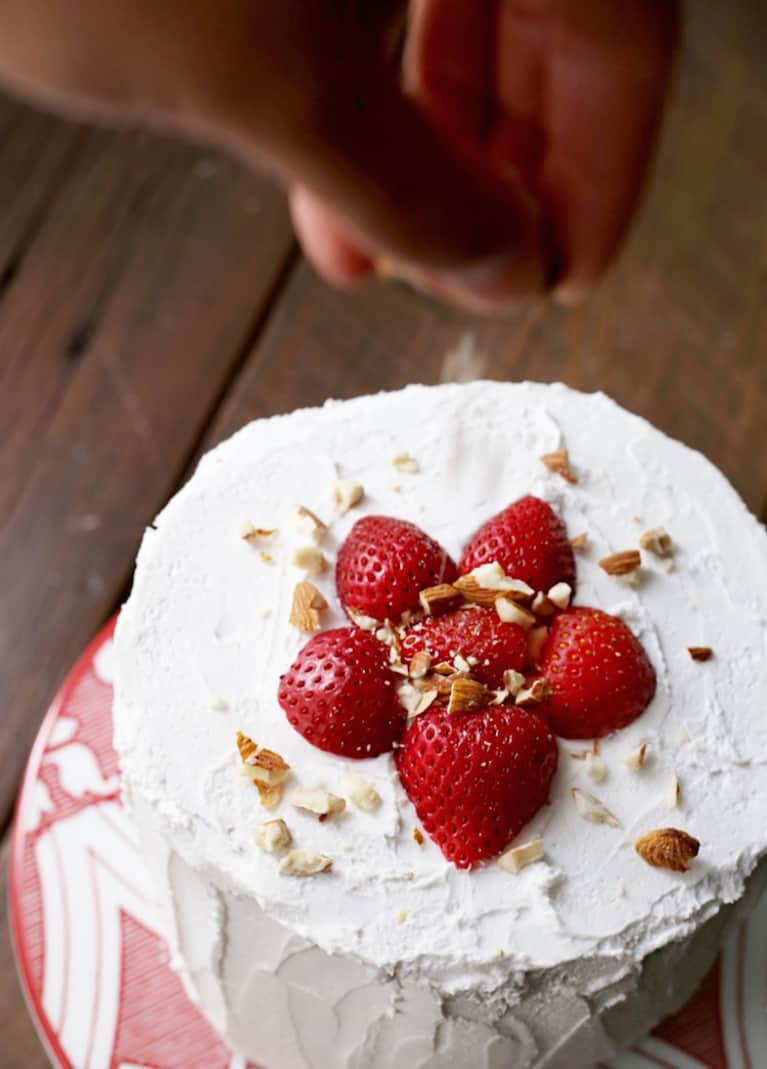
x: 341, y: 696
x: 529, y: 541
x: 384, y: 564
x: 476, y: 633
x: 601, y: 676
x: 476, y: 779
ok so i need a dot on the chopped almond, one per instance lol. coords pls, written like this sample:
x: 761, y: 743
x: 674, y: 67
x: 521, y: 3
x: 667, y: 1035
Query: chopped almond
x: 311, y: 559
x: 513, y: 681
x: 249, y: 533
x: 416, y: 701
x: 467, y: 695
x: 519, y: 857
x: 626, y: 562
x: 418, y: 836
x: 559, y: 463
x: 270, y: 795
x: 560, y: 595
x: 420, y: 664
x: 438, y: 599
x: 405, y: 463
x: 273, y: 836
x: 591, y: 809
x: 305, y: 862
x: 580, y: 543
x: 220, y: 705
x: 306, y: 607
x: 347, y: 494
x: 536, y: 642
x: 658, y: 542
x: 307, y: 524
x: 668, y: 848
x: 537, y: 691
x: 317, y: 801
x: 636, y: 758
x: 596, y: 769
x: 363, y: 794
x: 512, y: 613
x: 700, y: 653
x: 259, y: 764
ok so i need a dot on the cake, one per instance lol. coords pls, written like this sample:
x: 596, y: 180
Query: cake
x: 360, y: 944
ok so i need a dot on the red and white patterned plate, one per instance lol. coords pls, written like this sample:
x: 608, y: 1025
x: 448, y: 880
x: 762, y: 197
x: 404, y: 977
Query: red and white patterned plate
x: 93, y: 963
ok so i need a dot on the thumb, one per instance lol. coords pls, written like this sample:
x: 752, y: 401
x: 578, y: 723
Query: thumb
x: 378, y: 181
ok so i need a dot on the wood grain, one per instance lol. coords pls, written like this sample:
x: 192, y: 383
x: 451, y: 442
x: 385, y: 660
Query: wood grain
x: 132, y: 306
x: 678, y: 332
x: 21, y: 1049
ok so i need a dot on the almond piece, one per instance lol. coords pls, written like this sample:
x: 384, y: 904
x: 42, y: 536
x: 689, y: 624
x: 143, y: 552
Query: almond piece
x: 658, y: 542
x: 700, y: 653
x: 317, y: 801
x: 560, y: 595
x: 364, y: 623
x: 270, y: 795
x: 305, y: 862
x: 461, y: 664
x: 346, y: 494
x: 220, y: 705
x: 591, y: 809
x: 559, y: 463
x: 260, y: 765
x: 438, y: 599
x: 307, y: 524
x: 251, y: 534
x: 511, y: 613
x: 418, y: 836
x: 273, y: 836
x: 405, y: 463
x: 676, y: 792
x: 468, y: 694
x: 536, y: 641
x: 543, y: 605
x: 513, y: 681
x: 580, y: 543
x: 636, y: 759
x: 626, y: 562
x: 471, y: 591
x: 519, y: 857
x: 420, y: 664
x: 416, y: 701
x: 537, y: 691
x: 363, y: 794
x: 595, y: 768
x: 668, y: 848
x: 306, y: 607
x: 310, y: 559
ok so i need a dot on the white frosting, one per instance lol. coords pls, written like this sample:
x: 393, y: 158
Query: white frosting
x: 479, y: 953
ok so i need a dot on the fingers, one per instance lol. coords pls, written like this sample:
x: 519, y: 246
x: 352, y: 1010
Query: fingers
x: 607, y: 79
x: 324, y: 241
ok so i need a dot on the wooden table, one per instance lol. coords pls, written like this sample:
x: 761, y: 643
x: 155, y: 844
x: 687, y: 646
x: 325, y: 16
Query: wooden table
x: 152, y: 300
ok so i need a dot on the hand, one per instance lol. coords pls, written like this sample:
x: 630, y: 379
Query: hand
x: 513, y: 153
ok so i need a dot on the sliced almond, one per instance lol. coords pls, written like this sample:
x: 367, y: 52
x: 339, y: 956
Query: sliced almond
x: 363, y: 794
x: 418, y: 836
x: 627, y: 562
x: 305, y: 862
x: 595, y: 768
x: 363, y: 622
x: 512, y: 613
x: 668, y: 848
x: 346, y: 494
x: 467, y: 695
x: 519, y: 857
x: 461, y: 664
x: 405, y: 463
x: 317, y: 801
x: 536, y: 642
x: 537, y: 691
x: 676, y: 792
x: 273, y: 836
x: 311, y: 559
x: 249, y: 533
x: 513, y: 681
x: 259, y: 764
x: 658, y: 542
x: 591, y: 809
x: 560, y: 595
x: 636, y: 758
x: 307, y: 605
x: 307, y: 524
x: 438, y: 599
x: 420, y: 664
x: 559, y: 463
x: 700, y: 653
x: 580, y: 543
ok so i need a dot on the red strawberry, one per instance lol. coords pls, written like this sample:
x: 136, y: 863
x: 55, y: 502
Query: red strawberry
x: 529, y: 541
x: 476, y: 779
x: 601, y: 676
x: 340, y: 695
x: 477, y: 633
x: 384, y: 564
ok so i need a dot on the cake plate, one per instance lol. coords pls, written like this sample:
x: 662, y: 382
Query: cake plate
x: 93, y: 964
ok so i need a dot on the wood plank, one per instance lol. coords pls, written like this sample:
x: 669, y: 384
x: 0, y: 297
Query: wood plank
x: 20, y: 1045
x: 678, y: 332
x: 131, y: 310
